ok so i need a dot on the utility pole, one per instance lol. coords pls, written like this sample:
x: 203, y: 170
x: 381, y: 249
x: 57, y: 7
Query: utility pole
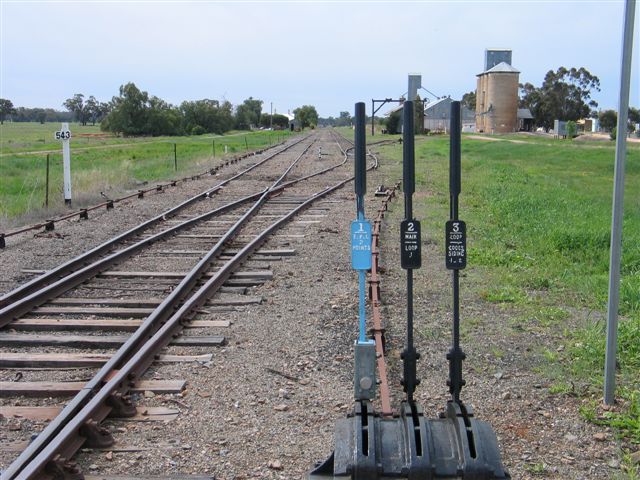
x: 271, y: 118
x: 618, y: 201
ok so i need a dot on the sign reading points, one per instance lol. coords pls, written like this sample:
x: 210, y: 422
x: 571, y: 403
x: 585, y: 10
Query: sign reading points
x: 456, y: 245
x: 410, y: 249
x: 361, y: 245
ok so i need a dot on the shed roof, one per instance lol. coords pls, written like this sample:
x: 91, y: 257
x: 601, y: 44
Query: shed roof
x: 430, y: 105
x: 502, y: 67
x: 524, y: 113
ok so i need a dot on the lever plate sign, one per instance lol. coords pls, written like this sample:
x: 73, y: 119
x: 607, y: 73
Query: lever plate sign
x: 361, y: 245
x: 410, y: 250
x: 456, y: 245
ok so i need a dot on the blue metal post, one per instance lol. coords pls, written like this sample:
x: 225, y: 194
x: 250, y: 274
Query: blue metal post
x: 360, y: 190
x: 363, y: 326
x: 364, y: 349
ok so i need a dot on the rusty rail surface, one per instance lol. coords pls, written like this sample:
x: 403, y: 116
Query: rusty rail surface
x: 374, y: 297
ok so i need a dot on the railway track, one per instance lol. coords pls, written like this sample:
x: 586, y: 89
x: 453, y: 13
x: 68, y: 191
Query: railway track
x: 83, y: 213
x: 147, y: 289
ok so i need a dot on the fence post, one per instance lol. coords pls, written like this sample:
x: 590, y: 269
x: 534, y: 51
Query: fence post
x: 246, y: 144
x: 46, y: 192
x: 175, y: 157
x: 213, y: 148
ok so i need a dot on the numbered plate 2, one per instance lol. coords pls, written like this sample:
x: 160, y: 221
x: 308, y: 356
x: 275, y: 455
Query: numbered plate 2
x: 410, y: 244
x: 456, y: 245
x: 361, y: 245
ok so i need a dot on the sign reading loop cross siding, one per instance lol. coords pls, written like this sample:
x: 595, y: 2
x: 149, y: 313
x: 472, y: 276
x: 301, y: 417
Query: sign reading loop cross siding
x: 456, y: 245
x: 361, y: 245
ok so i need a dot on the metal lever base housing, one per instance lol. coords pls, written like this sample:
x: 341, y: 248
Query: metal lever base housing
x: 409, y: 446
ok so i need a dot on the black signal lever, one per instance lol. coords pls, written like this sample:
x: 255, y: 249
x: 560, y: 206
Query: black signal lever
x: 456, y: 252
x: 410, y: 251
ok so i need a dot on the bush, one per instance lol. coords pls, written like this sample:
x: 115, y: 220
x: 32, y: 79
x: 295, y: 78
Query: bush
x: 198, y: 130
x: 613, y: 133
x: 393, y: 123
x: 572, y: 129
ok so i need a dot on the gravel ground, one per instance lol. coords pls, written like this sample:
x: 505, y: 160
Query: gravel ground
x: 265, y: 406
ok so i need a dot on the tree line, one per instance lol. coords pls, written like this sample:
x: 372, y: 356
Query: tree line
x: 23, y: 114
x: 134, y: 112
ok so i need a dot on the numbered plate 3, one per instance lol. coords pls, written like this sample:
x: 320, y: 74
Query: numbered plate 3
x: 456, y: 245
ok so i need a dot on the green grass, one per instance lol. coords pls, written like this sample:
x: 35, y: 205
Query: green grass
x: 99, y: 164
x: 538, y: 219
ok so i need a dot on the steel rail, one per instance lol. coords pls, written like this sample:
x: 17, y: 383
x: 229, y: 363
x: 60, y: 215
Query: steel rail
x: 75, y: 405
x: 63, y: 444
x: 131, y: 354
x: 82, y: 213
x: 28, y: 302
x: 84, y: 258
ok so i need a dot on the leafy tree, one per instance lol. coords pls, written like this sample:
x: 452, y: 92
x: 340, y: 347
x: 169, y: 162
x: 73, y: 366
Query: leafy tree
x: 608, y: 120
x: 393, y: 122
x: 6, y: 108
x: 306, y: 116
x: 206, y: 115
x: 78, y: 107
x: 571, y: 129
x: 469, y: 100
x: 344, y: 120
x: 92, y: 107
x: 565, y: 95
x: 279, y: 121
x: 248, y: 113
x: 327, y: 122
x: 129, y: 111
x: 40, y: 115
x: 162, y: 118
x: 418, y: 115
x: 103, y: 110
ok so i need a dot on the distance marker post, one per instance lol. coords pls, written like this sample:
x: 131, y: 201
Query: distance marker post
x: 365, y: 350
x: 65, y: 135
x: 456, y: 252
x: 410, y: 251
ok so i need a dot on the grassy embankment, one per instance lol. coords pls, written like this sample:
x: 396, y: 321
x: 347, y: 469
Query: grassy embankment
x: 107, y: 164
x: 539, y: 216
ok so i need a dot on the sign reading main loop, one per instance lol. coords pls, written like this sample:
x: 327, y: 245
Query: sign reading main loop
x: 410, y: 250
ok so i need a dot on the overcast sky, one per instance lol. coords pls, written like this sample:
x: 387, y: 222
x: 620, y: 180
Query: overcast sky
x: 327, y: 54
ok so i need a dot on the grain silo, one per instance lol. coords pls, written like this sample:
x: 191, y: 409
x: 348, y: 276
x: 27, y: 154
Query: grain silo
x: 497, y: 99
